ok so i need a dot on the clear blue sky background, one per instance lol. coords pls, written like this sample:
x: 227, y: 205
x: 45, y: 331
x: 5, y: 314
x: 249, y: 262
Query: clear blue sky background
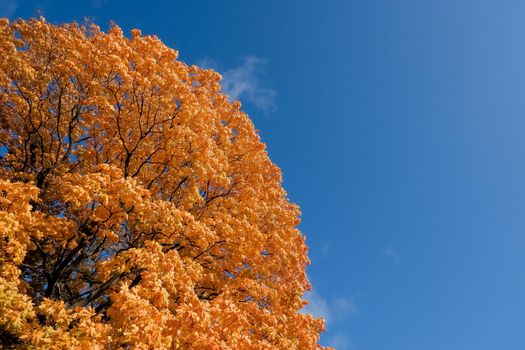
x: 399, y: 126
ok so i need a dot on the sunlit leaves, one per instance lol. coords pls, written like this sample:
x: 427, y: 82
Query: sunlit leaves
x: 138, y: 206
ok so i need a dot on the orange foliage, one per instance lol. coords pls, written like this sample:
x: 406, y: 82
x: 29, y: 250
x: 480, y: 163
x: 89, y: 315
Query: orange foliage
x: 138, y: 206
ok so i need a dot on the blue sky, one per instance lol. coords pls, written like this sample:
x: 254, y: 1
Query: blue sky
x: 399, y: 126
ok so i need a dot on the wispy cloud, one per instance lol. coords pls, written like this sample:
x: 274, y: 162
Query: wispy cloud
x: 317, y: 306
x: 325, y: 248
x: 98, y: 3
x: 243, y: 82
x: 340, y: 341
x: 333, y: 310
x: 391, y: 253
x: 8, y: 7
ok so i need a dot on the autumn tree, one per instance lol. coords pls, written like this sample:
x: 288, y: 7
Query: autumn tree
x: 138, y: 206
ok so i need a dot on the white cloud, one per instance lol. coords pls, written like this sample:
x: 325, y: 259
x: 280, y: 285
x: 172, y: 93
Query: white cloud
x: 325, y: 248
x: 339, y: 341
x: 8, y: 7
x: 98, y: 3
x: 317, y: 306
x: 243, y: 82
x: 332, y: 310
x: 391, y: 253
x: 344, y: 306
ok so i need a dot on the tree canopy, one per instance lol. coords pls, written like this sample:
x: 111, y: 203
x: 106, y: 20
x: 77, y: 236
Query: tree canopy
x: 138, y: 206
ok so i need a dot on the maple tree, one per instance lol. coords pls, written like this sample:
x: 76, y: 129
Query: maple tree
x: 138, y: 206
